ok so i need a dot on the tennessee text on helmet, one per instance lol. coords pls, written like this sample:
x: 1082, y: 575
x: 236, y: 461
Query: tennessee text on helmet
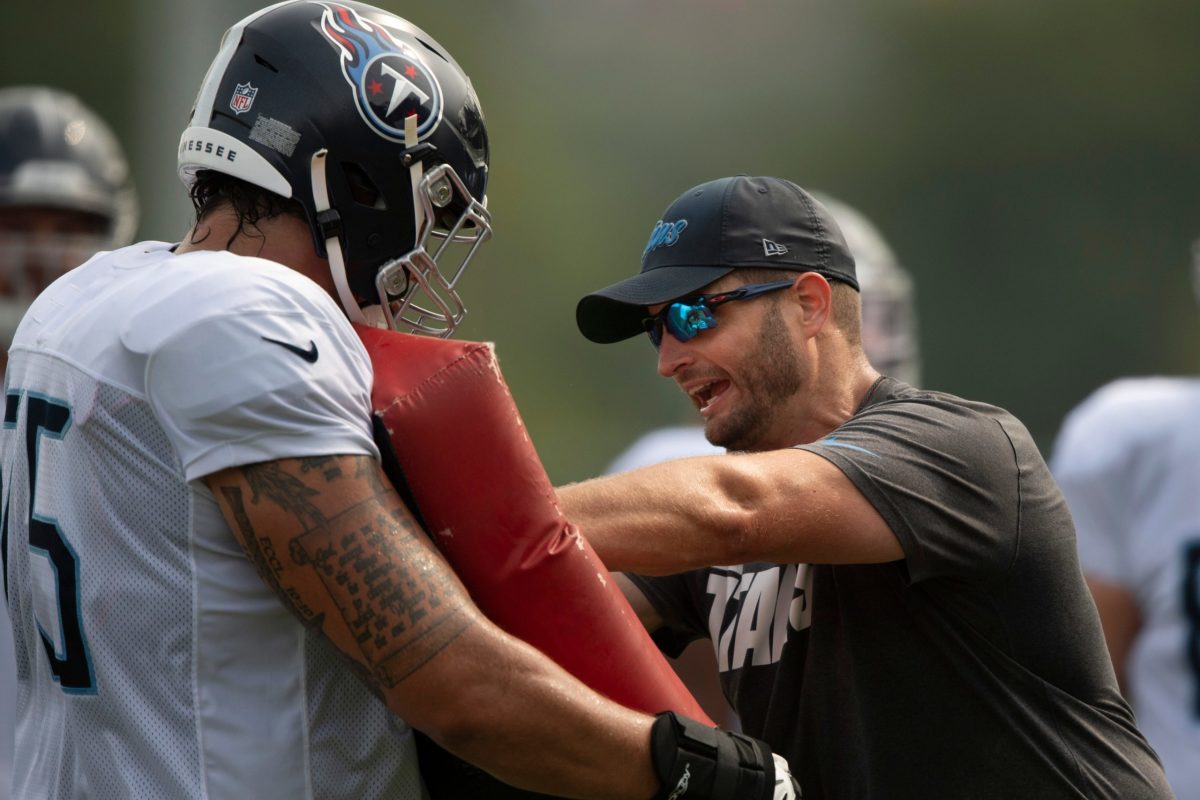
x: 374, y: 129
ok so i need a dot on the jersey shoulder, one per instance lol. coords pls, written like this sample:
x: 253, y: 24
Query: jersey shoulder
x: 1128, y: 414
x: 206, y: 289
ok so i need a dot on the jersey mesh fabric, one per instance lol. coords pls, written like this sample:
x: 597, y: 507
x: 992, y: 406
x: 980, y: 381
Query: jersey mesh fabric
x: 197, y: 682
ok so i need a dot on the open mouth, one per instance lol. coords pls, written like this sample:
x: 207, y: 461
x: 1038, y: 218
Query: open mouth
x: 707, y: 394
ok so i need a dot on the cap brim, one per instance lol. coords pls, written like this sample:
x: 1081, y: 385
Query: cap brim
x: 615, y: 312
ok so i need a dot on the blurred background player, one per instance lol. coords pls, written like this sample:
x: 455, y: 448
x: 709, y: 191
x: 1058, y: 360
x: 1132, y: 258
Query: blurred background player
x: 889, y: 335
x: 65, y: 193
x: 1128, y: 462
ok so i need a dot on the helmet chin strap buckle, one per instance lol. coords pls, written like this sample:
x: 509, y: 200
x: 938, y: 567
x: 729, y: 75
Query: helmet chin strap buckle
x: 417, y: 152
x: 330, y: 223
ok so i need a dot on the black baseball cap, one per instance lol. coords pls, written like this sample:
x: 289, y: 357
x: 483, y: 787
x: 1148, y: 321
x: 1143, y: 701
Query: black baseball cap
x: 711, y: 230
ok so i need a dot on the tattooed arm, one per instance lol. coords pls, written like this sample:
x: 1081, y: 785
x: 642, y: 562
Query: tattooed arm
x: 344, y: 554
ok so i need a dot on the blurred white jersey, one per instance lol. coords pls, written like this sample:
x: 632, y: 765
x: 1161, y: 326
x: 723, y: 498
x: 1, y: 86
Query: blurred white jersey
x: 665, y: 444
x: 152, y: 661
x: 8, y: 703
x: 1128, y: 461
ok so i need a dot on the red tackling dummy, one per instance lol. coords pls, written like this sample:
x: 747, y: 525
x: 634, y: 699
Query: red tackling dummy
x: 478, y: 483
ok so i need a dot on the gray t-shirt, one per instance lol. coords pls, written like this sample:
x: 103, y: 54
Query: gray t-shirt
x: 973, y: 668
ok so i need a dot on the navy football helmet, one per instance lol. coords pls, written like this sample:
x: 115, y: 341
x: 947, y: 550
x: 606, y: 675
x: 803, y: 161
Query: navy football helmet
x: 65, y: 193
x: 372, y: 127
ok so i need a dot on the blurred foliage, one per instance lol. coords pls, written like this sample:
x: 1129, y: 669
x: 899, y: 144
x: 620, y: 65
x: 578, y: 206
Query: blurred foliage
x: 1033, y: 164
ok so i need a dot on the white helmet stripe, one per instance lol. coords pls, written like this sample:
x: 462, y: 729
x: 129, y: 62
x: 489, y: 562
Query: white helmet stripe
x: 206, y: 99
x: 208, y: 148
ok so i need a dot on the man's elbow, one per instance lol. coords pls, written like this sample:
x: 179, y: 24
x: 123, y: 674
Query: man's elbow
x: 742, y: 524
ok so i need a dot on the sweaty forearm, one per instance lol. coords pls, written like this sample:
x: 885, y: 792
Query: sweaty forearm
x: 784, y: 506
x: 665, y: 518
x: 531, y: 724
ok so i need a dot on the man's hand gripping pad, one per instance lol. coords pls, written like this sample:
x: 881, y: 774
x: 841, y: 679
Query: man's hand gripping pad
x: 484, y: 496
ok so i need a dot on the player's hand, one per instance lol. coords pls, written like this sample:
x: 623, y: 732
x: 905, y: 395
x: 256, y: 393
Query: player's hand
x: 696, y: 762
x: 786, y: 787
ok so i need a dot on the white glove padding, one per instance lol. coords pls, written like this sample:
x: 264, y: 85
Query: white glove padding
x: 786, y: 787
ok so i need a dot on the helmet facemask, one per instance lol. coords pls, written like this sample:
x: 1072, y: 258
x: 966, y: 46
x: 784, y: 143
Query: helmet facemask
x: 418, y: 291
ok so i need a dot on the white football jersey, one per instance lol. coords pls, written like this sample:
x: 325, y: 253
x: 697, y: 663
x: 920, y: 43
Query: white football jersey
x: 1128, y: 461
x: 665, y: 444
x: 8, y: 703
x: 152, y: 661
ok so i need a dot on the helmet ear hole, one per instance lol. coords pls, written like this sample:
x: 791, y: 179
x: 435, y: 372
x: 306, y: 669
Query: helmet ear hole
x: 362, y: 189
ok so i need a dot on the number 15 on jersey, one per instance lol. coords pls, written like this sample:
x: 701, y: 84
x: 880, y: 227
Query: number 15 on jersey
x: 54, y: 565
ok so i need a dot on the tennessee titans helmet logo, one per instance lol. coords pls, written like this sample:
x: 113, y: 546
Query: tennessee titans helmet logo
x: 389, y: 80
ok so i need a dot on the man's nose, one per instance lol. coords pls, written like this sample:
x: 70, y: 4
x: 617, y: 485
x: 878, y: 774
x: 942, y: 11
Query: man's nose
x: 672, y: 354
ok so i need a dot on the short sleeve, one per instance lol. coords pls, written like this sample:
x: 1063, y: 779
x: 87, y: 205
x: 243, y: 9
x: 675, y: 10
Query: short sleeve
x: 943, y: 475
x: 283, y: 376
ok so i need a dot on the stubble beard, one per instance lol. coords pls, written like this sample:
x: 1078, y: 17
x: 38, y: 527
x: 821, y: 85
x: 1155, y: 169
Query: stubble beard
x: 771, y: 375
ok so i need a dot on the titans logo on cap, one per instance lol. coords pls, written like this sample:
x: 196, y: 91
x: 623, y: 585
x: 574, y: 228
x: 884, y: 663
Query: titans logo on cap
x: 665, y: 234
x: 389, y: 80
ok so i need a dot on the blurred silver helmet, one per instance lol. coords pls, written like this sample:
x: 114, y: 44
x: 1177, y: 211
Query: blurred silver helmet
x: 889, y: 317
x: 65, y: 192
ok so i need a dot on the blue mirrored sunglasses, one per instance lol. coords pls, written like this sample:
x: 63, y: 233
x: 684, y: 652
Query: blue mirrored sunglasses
x: 686, y: 318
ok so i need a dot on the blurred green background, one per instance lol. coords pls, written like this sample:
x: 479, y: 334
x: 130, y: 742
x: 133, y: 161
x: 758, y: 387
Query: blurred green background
x: 1034, y: 164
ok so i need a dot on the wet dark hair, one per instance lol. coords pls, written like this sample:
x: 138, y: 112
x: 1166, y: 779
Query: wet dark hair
x: 249, y: 203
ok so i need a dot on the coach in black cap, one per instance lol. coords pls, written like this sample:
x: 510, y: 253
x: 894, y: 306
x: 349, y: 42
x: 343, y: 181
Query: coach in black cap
x: 888, y: 575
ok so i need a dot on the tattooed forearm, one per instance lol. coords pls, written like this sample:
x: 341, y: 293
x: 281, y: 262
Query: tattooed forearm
x: 400, y: 601
x: 271, y: 482
x: 349, y: 559
x: 327, y: 465
x: 262, y: 553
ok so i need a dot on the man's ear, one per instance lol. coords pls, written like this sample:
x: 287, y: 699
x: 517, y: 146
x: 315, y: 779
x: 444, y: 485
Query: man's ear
x: 813, y: 297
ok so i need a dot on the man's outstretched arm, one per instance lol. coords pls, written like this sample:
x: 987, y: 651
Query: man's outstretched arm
x: 782, y: 506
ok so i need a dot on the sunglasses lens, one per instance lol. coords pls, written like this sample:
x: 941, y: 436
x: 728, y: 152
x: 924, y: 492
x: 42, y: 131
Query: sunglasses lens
x: 681, y: 320
x: 684, y: 321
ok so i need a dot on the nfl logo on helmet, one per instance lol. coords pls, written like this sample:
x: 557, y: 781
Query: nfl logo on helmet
x: 243, y: 98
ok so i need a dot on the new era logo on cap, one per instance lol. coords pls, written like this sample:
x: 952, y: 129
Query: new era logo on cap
x: 773, y: 248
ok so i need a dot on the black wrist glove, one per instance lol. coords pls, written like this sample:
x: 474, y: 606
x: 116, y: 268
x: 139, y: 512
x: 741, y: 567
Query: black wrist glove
x: 696, y: 762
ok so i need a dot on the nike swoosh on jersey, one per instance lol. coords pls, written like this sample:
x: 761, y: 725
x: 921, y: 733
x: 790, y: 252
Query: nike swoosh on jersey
x: 309, y: 355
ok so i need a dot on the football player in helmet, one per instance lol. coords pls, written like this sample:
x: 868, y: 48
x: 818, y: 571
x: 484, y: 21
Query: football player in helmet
x: 217, y: 592
x: 65, y: 192
x: 1127, y: 461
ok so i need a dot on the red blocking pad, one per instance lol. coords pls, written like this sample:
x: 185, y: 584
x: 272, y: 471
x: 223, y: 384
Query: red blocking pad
x: 477, y: 482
